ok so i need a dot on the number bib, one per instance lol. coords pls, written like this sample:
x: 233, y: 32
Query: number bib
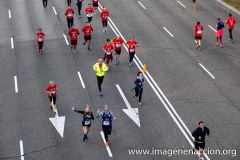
x: 89, y: 15
x: 87, y: 122
x: 199, y: 31
x: 40, y: 39
x: 108, y: 53
x: 106, y: 123
x: 132, y: 50
x: 118, y: 45
x: 52, y: 92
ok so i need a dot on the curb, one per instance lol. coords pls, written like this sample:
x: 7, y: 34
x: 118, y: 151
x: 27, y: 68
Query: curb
x: 229, y: 6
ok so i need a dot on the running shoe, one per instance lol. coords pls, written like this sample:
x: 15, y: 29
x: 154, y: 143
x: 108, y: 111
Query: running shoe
x: 232, y: 40
x: 130, y: 64
x: 89, y: 48
x: 221, y: 46
x: 199, y: 48
x: 84, y: 43
x: 103, y: 30
x: 79, y: 16
x: 116, y: 62
x: 140, y: 103
x: 106, y: 144
x: 100, y: 94
x: 217, y: 44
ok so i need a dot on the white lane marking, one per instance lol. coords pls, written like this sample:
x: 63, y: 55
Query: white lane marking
x: 9, y: 13
x: 206, y: 70
x: 80, y: 77
x: 16, y: 84
x: 107, y: 147
x: 21, y: 150
x: 168, y: 31
x: 165, y: 98
x: 141, y: 5
x: 65, y: 37
x: 131, y: 112
x: 12, y: 44
x: 212, y: 28
x: 54, y: 10
x: 181, y: 4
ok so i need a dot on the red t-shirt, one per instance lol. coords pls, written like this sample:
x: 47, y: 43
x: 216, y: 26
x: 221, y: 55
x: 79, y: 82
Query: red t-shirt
x: 87, y: 30
x: 73, y: 34
x: 40, y: 36
x: 95, y: 1
x: 104, y: 15
x: 117, y: 43
x: 52, y: 89
x: 108, y: 48
x: 131, y: 45
x: 198, y: 30
x: 69, y: 13
x: 89, y: 10
x: 230, y: 22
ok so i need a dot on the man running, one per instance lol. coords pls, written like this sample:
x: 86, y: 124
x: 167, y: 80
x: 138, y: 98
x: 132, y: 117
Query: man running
x: 199, y: 135
x: 69, y: 2
x: 108, y: 48
x: 198, y: 28
x: 194, y: 4
x: 104, y: 15
x: 131, y: 44
x: 39, y: 37
x: 107, y: 117
x: 79, y: 5
x: 69, y: 15
x: 230, y: 22
x: 87, y: 30
x: 52, y: 95
x: 100, y: 68
x: 89, y: 11
x: 86, y: 121
x: 117, y: 45
x: 139, y: 87
x: 219, y: 32
x: 45, y: 4
x: 73, y: 32
x: 95, y: 5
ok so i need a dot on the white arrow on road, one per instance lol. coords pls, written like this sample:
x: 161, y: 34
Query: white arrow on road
x: 58, y: 123
x: 131, y: 112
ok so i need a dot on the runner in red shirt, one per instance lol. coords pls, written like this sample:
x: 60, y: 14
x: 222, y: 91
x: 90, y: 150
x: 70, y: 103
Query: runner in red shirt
x: 73, y: 32
x: 230, y: 22
x: 104, y: 15
x: 69, y: 15
x: 198, y: 28
x: 89, y: 11
x: 87, y: 30
x: 108, y: 48
x: 52, y: 94
x: 95, y: 5
x: 131, y: 44
x: 117, y: 45
x: 39, y: 38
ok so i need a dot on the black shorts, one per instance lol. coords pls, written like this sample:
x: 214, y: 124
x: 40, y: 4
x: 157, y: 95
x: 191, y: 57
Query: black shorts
x: 73, y: 42
x: 198, y: 38
x: 83, y: 124
x: 118, y: 52
x: 198, y: 146
x: 87, y: 38
x: 95, y: 4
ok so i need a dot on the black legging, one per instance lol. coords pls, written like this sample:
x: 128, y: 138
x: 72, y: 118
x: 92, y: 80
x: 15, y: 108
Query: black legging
x: 40, y: 45
x: 104, y: 23
x: 69, y: 2
x: 100, y: 81
x: 230, y: 34
x: 53, y: 98
x: 131, y: 56
x: 107, y: 131
x: 89, y: 19
x: 79, y: 4
x: 138, y: 93
x: 45, y: 3
x: 70, y: 22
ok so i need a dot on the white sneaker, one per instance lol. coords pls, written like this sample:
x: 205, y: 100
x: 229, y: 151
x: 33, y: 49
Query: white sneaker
x: 103, y: 30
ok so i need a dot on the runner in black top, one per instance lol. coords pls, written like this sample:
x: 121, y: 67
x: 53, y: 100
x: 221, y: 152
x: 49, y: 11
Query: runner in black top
x: 138, y: 87
x: 86, y: 121
x: 199, y: 135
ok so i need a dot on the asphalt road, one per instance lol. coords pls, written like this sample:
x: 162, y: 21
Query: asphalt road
x: 173, y: 63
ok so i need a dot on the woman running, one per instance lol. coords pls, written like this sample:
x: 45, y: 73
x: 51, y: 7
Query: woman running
x: 86, y: 121
x: 39, y: 38
x: 138, y: 87
x: 108, y: 48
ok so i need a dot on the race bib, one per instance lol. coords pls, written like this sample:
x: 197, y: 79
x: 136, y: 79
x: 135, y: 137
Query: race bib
x: 52, y: 91
x: 87, y: 122
x: 199, y: 31
x: 132, y: 50
x: 89, y: 15
x: 69, y: 14
x: 118, y: 45
x: 108, y: 53
x: 40, y: 39
x: 106, y: 123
